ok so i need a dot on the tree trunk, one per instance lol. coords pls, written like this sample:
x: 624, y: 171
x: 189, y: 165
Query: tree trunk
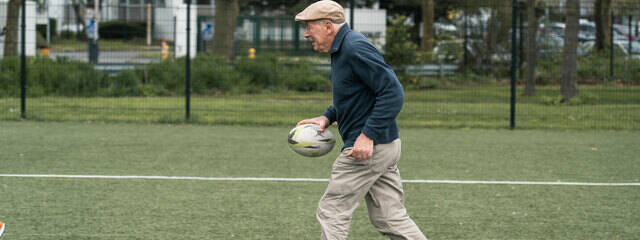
x: 77, y: 9
x: 13, y: 19
x: 498, y: 32
x: 226, y: 14
x: 532, y: 50
x: 569, y: 53
x: 603, y: 22
x: 427, y: 26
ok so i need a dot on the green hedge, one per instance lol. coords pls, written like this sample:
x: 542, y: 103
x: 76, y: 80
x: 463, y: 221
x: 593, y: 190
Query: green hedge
x: 51, y: 77
x: 122, y: 30
x: 266, y: 73
x: 209, y: 76
x: 592, y: 69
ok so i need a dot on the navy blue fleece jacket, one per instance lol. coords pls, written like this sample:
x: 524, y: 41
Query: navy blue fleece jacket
x: 367, y: 95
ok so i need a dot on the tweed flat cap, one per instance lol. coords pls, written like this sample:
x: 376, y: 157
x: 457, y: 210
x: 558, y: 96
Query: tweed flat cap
x: 325, y: 9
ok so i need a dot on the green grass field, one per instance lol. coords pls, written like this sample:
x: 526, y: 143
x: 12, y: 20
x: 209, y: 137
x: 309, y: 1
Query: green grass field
x: 61, y: 208
x: 600, y: 107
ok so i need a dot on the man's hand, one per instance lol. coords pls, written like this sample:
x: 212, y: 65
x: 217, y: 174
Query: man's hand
x: 362, y: 148
x: 321, y: 120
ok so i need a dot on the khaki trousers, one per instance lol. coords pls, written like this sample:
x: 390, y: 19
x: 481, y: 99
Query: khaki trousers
x: 377, y: 180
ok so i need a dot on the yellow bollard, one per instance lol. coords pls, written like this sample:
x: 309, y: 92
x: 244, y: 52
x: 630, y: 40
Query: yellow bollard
x: 252, y: 53
x: 45, y: 52
x: 165, y: 49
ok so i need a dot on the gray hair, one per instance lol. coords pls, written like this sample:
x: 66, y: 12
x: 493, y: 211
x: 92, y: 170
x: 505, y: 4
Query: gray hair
x: 335, y: 25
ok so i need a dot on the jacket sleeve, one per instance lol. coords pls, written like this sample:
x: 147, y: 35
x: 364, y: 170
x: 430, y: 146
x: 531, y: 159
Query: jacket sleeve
x: 330, y: 113
x: 371, y: 69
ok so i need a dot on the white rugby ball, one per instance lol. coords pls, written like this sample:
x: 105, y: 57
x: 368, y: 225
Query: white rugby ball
x: 307, y: 141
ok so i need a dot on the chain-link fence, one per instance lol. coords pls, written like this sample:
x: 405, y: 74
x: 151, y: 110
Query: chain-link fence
x: 253, y: 66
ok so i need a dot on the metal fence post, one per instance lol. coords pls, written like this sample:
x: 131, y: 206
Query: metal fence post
x: 465, y: 42
x: 611, y: 45
x: 23, y: 61
x: 257, y: 35
x: 514, y: 56
x: 629, y: 37
x: 187, y: 88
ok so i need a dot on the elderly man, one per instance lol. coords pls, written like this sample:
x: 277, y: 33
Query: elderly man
x: 367, y: 97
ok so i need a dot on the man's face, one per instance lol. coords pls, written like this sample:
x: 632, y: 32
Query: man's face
x: 319, y: 33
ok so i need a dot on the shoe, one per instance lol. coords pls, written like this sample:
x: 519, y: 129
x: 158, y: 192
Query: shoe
x: 1, y: 229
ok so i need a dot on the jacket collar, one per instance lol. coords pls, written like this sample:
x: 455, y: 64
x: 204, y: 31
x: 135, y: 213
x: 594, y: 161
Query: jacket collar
x: 337, y: 41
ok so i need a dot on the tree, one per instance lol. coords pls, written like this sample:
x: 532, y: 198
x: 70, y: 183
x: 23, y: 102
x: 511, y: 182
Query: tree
x: 532, y: 50
x: 226, y: 14
x: 499, y: 25
x: 403, y: 51
x: 11, y: 37
x: 569, y: 53
x: 602, y: 17
x: 426, y: 44
x: 79, y: 10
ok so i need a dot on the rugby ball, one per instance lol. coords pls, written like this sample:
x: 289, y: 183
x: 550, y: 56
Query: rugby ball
x: 308, y: 141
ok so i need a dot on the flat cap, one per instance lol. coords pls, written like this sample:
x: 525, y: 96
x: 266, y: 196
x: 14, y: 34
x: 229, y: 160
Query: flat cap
x: 325, y: 9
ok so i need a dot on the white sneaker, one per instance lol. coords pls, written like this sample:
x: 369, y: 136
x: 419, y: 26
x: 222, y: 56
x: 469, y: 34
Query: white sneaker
x: 1, y: 228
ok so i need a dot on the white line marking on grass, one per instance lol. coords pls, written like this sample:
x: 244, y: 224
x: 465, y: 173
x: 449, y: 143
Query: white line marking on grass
x: 264, y: 179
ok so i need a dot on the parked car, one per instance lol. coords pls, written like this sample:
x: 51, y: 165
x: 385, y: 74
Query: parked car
x: 622, y: 32
x: 587, y: 31
x: 552, y: 28
x: 444, y: 28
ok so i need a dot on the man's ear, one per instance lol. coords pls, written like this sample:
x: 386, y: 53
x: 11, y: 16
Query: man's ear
x: 329, y: 26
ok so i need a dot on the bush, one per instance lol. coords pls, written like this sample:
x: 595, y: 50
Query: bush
x: 122, y: 30
x: 400, y: 51
x: 50, y: 77
x: 125, y: 83
x: 210, y: 76
x: 592, y: 69
x: 214, y: 75
x: 10, y: 76
x: 301, y: 76
x: 148, y: 90
x: 67, y: 34
x: 262, y: 71
x: 63, y: 77
x: 596, y: 69
x: 169, y: 74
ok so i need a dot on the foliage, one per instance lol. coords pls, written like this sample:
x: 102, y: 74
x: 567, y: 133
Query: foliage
x: 68, y: 34
x: 262, y: 71
x: 592, y: 69
x: 169, y: 75
x: 449, y: 52
x: 122, y: 30
x: 209, y: 76
x: 461, y: 79
x: 401, y: 50
x: 301, y: 76
x: 127, y: 83
x: 214, y: 75
x: 51, y: 77
x: 596, y: 69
